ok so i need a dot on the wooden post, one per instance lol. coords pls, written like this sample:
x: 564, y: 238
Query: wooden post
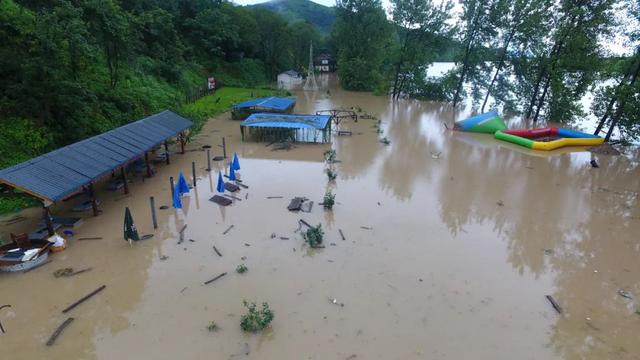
x: 152, y: 204
x: 182, y: 143
x: 94, y: 203
x: 224, y: 148
x: 46, y: 214
x: 123, y: 173
x: 172, y: 187
x: 148, y: 164
x: 208, y: 160
x: 166, y: 150
x: 193, y: 172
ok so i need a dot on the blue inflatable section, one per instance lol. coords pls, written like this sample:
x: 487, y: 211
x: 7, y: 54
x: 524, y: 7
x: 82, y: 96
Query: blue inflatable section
x: 566, y: 133
x: 468, y: 123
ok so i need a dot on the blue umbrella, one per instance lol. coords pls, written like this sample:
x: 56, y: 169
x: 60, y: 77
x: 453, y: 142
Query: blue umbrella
x: 182, y: 187
x: 232, y: 173
x: 236, y: 163
x: 220, y: 186
x: 177, y: 203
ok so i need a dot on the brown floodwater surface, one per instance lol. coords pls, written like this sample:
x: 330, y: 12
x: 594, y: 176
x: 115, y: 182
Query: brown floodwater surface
x: 452, y: 242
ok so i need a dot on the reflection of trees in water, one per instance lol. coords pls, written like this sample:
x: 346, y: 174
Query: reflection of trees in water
x: 557, y: 205
x: 411, y: 127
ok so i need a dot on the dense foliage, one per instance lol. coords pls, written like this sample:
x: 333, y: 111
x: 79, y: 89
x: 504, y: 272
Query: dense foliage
x: 537, y: 58
x: 74, y: 68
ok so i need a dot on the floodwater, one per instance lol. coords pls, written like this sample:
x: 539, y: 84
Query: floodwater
x: 452, y: 242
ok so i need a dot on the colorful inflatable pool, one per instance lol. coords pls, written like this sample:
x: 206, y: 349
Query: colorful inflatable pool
x: 554, y: 138
x: 487, y: 123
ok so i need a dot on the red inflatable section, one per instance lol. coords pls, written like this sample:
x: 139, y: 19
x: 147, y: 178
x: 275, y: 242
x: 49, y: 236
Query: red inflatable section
x: 533, y: 134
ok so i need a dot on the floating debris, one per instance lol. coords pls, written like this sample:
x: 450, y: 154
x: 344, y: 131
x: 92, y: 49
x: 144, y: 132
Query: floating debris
x: 217, y: 251
x: 334, y: 301
x: 54, y: 336
x: 554, y: 304
x: 215, y: 278
x: 594, y: 163
x: 366, y: 228
x: 228, y: 229
x: 625, y: 294
x: 500, y: 203
x: 85, y: 298
x: 436, y: 155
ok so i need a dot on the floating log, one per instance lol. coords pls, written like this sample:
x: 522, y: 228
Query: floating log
x: 58, y: 331
x: 284, y: 238
x: 341, y: 235
x: 366, y: 228
x: 215, y: 278
x: 85, y: 298
x: 91, y: 238
x: 305, y: 223
x: 217, y: 251
x: 229, y: 228
x: 275, y: 197
x: 221, y: 200
x: 241, y: 185
x: 554, y: 303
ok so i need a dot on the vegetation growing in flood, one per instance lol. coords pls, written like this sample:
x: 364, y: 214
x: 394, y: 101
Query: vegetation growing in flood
x: 256, y: 319
x: 329, y: 200
x: 314, y: 236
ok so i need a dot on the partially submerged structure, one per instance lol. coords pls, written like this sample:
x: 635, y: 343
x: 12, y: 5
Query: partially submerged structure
x: 289, y: 79
x: 273, y: 104
x: 286, y: 127
x: 73, y: 169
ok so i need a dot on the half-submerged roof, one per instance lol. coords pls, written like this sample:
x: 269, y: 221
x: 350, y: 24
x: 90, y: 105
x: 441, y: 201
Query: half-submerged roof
x: 60, y: 173
x: 289, y: 121
x: 273, y: 102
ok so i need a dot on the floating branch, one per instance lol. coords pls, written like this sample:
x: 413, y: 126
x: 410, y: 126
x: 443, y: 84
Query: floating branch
x: 87, y: 297
x: 215, y: 278
x: 58, y: 331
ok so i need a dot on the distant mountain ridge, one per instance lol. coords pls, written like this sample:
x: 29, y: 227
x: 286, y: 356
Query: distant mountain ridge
x: 303, y: 10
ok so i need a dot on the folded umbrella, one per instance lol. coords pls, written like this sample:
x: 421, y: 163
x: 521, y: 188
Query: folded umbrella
x: 177, y: 203
x: 236, y: 163
x: 130, y: 231
x: 220, y: 186
x: 183, y: 187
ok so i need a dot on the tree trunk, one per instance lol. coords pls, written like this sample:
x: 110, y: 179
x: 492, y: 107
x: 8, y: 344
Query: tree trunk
x: 499, y: 67
x: 541, y: 100
x: 467, y: 53
x: 618, y: 114
x: 615, y: 96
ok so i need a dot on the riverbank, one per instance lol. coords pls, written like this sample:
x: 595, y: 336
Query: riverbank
x: 198, y: 111
x: 451, y: 242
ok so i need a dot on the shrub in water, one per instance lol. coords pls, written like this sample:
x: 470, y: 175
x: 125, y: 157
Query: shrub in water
x: 314, y: 235
x: 256, y: 320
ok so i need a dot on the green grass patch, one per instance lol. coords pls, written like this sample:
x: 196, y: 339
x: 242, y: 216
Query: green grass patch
x: 221, y: 101
x: 13, y: 204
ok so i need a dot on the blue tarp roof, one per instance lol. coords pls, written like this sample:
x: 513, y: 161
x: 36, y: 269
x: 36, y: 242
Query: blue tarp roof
x: 275, y: 103
x: 58, y: 174
x: 292, y: 121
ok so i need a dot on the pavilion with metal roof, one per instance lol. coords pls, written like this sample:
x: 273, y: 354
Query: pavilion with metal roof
x: 286, y: 127
x: 271, y: 104
x: 71, y: 169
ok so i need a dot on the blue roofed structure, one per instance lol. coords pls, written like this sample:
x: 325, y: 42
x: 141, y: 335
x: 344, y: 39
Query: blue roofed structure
x: 294, y: 127
x: 58, y: 174
x: 271, y: 104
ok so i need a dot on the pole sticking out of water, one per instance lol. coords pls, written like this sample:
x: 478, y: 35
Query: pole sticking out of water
x: 172, y: 187
x: 152, y: 204
x: 193, y: 172
x: 208, y: 160
x: 224, y: 148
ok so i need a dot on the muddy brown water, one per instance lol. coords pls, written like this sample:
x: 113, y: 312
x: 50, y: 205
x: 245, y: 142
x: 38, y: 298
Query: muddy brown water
x: 452, y: 242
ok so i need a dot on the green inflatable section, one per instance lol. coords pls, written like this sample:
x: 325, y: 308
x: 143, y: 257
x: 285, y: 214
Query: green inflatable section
x: 514, y: 139
x: 489, y: 126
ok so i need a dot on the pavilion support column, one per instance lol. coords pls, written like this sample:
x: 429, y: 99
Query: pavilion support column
x: 123, y: 173
x: 166, y: 150
x: 182, y: 141
x: 148, y: 164
x: 94, y: 202
x: 46, y: 214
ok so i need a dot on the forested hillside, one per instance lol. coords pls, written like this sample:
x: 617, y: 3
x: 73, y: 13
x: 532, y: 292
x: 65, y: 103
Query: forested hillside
x: 74, y: 68
x: 303, y: 10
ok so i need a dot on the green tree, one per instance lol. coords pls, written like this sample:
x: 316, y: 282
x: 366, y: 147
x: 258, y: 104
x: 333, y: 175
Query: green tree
x: 421, y: 26
x: 362, y: 36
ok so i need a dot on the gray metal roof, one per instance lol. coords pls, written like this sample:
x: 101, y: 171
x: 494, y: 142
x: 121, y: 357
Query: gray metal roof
x: 60, y: 173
